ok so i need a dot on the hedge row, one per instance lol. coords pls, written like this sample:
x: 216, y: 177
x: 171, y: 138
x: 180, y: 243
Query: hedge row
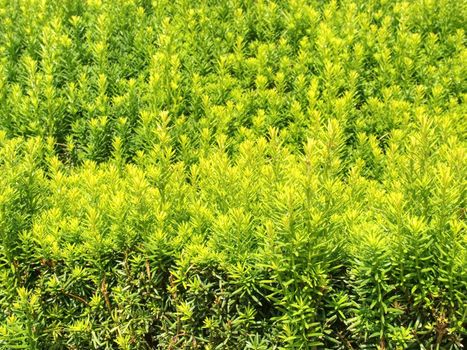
x: 233, y: 174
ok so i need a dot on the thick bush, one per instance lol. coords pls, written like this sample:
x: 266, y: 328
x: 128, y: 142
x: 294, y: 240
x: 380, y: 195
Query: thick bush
x: 242, y: 174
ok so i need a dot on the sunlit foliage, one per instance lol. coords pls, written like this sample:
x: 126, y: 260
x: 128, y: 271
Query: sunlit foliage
x: 233, y: 174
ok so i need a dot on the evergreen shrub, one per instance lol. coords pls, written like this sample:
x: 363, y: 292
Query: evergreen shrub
x: 242, y: 174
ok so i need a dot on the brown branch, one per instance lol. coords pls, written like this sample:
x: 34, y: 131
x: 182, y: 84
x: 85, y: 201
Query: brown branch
x: 347, y: 343
x: 148, y: 269
x: 105, y: 294
x: 76, y: 297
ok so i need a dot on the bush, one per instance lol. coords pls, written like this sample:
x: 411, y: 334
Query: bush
x: 232, y: 174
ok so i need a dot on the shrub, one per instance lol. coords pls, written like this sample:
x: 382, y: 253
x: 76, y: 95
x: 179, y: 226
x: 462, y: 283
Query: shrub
x: 232, y: 174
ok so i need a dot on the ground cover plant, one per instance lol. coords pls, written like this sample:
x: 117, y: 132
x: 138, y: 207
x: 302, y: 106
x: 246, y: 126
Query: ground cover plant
x: 242, y: 174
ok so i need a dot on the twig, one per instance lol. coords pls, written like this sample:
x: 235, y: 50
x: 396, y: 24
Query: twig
x: 76, y: 297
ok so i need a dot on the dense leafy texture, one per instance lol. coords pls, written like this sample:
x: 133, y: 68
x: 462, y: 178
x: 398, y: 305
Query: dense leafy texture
x: 233, y: 174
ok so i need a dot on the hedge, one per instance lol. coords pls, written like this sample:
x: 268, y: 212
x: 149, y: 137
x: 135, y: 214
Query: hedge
x: 242, y: 174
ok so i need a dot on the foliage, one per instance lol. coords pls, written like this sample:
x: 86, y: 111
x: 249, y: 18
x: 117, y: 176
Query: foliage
x: 232, y: 174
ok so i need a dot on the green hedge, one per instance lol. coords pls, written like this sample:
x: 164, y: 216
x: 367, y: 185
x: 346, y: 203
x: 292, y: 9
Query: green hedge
x: 233, y: 174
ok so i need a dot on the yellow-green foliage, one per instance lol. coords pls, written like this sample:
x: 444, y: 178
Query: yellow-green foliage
x: 242, y: 174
